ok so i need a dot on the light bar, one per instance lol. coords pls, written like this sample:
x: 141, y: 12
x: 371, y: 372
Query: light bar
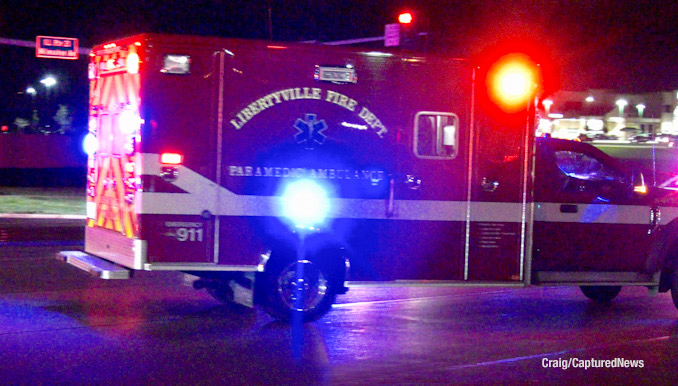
x: 336, y: 74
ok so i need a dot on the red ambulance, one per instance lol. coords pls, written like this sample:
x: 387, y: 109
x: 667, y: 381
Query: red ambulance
x: 279, y: 174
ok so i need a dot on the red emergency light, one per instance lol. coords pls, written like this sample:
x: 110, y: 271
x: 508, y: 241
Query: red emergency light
x: 512, y: 82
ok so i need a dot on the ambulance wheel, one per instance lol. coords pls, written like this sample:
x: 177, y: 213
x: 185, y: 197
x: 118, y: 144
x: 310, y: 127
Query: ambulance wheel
x: 320, y: 290
x: 601, y: 293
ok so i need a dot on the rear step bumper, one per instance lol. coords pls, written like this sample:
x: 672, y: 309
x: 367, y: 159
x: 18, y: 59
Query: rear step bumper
x: 595, y: 278
x: 94, y: 265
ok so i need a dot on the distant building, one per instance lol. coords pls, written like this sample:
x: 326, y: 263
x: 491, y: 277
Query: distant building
x: 606, y: 115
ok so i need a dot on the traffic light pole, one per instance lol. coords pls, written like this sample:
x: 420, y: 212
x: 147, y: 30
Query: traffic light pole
x: 31, y: 44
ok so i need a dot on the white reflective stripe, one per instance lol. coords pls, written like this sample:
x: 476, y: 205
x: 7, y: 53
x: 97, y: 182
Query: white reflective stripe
x: 496, y: 211
x: 667, y: 214
x: 428, y: 210
x: 202, y: 191
x: 243, y: 205
x: 593, y: 213
x: 202, y: 195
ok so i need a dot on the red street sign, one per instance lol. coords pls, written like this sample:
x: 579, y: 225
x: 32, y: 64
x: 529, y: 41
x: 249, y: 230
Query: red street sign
x: 56, y: 47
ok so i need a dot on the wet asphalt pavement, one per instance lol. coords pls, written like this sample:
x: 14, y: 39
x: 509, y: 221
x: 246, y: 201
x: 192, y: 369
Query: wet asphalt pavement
x: 58, y: 325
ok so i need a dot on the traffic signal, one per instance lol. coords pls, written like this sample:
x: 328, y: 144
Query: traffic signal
x: 405, y: 18
x: 408, y: 31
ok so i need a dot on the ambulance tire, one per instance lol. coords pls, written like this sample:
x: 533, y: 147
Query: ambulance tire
x: 601, y: 293
x: 322, y: 288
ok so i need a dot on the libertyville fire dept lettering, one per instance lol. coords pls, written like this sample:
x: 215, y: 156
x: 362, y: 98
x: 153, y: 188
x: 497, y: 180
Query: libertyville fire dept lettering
x: 374, y: 176
x: 312, y: 93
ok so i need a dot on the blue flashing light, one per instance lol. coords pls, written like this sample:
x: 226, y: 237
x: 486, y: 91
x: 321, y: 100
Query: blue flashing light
x: 90, y: 144
x: 305, y: 203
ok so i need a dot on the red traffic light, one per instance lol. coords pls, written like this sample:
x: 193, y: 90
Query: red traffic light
x: 405, y: 18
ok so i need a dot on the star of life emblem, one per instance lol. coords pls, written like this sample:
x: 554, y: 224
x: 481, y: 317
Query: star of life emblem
x: 310, y: 131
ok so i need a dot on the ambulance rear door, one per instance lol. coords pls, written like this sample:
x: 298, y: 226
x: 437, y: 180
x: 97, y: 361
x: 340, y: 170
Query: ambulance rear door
x: 180, y: 90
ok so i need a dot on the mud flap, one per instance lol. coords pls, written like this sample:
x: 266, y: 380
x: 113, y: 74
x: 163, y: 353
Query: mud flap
x: 243, y: 289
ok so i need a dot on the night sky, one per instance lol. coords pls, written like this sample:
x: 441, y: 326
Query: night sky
x: 628, y: 46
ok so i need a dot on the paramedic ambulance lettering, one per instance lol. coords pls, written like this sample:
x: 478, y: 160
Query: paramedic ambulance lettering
x: 374, y: 176
x: 308, y: 93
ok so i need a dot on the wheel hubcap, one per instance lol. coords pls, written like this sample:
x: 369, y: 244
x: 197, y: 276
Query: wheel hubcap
x: 313, y: 286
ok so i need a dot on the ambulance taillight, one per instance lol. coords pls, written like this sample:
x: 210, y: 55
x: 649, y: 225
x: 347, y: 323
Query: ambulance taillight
x: 170, y: 163
x: 171, y: 159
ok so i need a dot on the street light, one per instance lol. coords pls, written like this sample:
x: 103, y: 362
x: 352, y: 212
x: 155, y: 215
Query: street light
x: 547, y: 106
x: 621, y: 103
x: 641, y: 108
x: 30, y: 90
x: 49, y: 81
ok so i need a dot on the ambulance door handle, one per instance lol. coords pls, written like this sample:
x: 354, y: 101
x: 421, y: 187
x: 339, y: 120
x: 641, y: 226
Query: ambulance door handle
x: 489, y: 186
x: 569, y: 208
x: 655, y: 218
x: 412, y: 182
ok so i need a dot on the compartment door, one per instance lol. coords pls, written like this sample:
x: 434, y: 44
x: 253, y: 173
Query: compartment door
x: 499, y: 201
x: 430, y: 188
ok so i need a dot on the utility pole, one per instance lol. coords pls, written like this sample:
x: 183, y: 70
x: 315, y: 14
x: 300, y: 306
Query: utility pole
x: 270, y: 19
